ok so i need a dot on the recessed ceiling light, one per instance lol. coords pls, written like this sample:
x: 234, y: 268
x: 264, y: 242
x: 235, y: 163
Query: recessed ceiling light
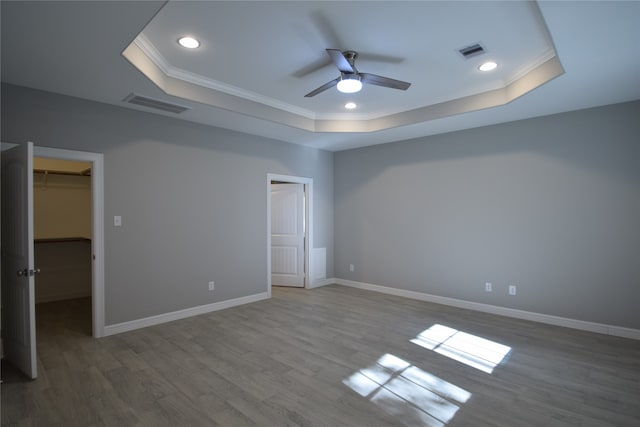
x: 188, y: 42
x: 350, y: 105
x: 488, y: 66
x: 349, y: 84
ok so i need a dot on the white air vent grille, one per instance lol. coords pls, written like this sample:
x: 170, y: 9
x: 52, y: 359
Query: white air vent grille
x: 155, y: 104
x: 472, y: 50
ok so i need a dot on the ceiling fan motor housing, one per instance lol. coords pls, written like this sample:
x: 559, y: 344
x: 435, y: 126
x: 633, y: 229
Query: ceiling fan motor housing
x: 350, y: 79
x: 351, y: 56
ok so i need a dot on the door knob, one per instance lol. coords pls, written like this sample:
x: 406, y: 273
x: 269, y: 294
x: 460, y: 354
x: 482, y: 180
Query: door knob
x: 28, y: 273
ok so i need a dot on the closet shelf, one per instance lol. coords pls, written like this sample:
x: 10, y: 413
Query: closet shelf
x: 62, y: 240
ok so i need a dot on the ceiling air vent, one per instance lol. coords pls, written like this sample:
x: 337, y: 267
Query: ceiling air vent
x: 471, y: 51
x: 154, y: 103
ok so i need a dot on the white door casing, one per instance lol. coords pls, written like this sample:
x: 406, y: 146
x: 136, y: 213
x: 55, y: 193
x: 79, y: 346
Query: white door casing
x: 18, y: 296
x: 309, y: 221
x: 97, y: 225
x: 287, y: 235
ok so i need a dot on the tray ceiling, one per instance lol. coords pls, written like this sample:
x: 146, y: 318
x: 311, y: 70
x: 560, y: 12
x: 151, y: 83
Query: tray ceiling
x: 260, y: 58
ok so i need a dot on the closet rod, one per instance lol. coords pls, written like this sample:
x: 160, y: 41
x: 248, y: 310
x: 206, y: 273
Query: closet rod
x: 86, y: 172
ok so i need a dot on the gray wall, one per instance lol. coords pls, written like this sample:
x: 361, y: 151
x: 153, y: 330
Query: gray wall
x: 551, y: 205
x: 192, y: 198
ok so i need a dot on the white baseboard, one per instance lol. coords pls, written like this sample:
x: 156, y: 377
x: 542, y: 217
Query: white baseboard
x: 181, y: 314
x: 323, y: 282
x: 601, y: 328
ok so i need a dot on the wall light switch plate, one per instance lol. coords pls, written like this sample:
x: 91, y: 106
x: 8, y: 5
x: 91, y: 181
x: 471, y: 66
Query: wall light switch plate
x: 117, y: 221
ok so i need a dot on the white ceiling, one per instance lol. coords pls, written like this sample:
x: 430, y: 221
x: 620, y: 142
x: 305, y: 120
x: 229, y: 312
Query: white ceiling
x: 258, y: 59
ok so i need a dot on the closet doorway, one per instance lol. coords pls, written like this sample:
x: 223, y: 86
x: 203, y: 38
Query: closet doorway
x: 96, y: 221
x: 62, y: 208
x: 18, y: 227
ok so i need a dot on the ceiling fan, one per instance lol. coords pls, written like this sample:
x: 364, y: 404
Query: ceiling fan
x: 350, y: 79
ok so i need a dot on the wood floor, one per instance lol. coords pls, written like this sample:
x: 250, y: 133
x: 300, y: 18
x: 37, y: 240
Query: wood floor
x: 332, y: 356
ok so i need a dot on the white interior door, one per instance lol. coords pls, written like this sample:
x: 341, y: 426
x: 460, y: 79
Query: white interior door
x: 18, y: 303
x: 287, y: 235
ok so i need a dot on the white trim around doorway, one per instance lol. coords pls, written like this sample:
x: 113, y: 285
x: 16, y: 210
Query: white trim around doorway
x: 97, y: 221
x: 308, y: 244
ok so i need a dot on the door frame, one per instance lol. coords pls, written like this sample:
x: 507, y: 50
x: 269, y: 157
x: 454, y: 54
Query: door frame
x: 97, y: 225
x: 308, y: 218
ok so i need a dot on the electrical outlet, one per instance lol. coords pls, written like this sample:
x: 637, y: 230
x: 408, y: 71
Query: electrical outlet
x: 351, y: 267
x: 487, y: 287
x: 211, y: 286
x: 512, y: 290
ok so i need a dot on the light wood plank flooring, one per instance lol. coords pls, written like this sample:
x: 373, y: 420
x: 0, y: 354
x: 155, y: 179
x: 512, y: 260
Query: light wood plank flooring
x: 331, y: 356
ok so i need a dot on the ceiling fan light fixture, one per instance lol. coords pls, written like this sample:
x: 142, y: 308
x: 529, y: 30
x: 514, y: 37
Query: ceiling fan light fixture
x: 349, y: 84
x: 188, y: 42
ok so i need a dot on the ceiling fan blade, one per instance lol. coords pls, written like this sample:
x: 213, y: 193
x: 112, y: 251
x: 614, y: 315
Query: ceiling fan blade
x: 312, y: 68
x: 372, y: 79
x: 376, y: 57
x: 322, y: 88
x: 324, y: 29
x: 341, y: 62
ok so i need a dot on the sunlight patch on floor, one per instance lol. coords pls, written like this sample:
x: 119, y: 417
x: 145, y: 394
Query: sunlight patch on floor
x: 479, y: 353
x: 402, y: 389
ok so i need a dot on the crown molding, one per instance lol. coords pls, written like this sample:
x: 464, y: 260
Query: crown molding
x: 191, y: 86
x: 157, y: 58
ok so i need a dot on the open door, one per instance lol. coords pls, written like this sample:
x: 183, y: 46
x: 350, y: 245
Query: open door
x: 18, y: 302
x: 287, y: 235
